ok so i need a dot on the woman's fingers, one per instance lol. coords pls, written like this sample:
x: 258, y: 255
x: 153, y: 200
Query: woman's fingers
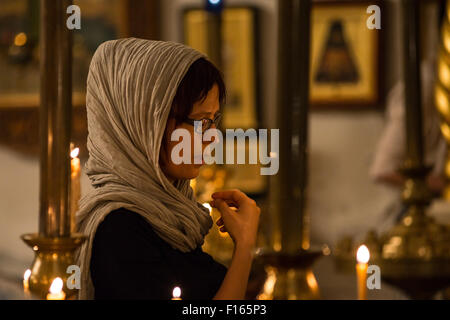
x: 230, y: 203
x: 241, y: 225
x: 236, y: 196
x: 223, y: 207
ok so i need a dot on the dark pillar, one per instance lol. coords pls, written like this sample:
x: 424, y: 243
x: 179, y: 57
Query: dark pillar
x: 293, y: 105
x: 411, y: 53
x: 289, y: 265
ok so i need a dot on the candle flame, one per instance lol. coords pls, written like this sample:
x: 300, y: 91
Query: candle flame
x: 207, y: 206
x: 176, y: 293
x: 74, y: 153
x: 27, y: 275
x: 363, y: 254
x: 56, y: 286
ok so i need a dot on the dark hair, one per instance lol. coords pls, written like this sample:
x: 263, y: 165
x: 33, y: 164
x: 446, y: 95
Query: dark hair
x: 195, y: 85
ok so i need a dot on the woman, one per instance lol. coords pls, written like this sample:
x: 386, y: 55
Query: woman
x: 144, y: 225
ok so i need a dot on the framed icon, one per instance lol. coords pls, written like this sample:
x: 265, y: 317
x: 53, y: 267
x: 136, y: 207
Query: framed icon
x: 345, y: 55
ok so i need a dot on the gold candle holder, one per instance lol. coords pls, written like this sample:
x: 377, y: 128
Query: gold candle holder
x: 289, y: 276
x: 52, y: 257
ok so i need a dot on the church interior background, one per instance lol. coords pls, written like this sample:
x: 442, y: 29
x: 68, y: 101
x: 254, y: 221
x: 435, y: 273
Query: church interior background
x: 352, y: 71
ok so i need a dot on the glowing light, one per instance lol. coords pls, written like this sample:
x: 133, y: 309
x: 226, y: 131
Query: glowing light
x: 214, y: 2
x: 363, y: 254
x: 27, y: 275
x: 362, y: 257
x: 326, y: 250
x: 26, y: 283
x: 269, y: 285
x: 311, y: 281
x: 208, y: 206
x: 74, y: 153
x: 56, y: 292
x: 20, y: 39
x: 56, y: 286
x: 176, y: 293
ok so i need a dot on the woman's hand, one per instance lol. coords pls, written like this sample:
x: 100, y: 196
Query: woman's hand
x: 242, y: 222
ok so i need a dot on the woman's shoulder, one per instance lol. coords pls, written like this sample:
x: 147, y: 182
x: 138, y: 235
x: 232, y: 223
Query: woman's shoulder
x: 126, y: 226
x: 122, y: 216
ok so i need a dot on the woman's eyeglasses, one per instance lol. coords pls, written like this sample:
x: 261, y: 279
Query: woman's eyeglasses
x: 206, y: 123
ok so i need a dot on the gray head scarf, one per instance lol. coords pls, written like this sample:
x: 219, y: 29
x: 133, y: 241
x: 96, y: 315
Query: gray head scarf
x: 130, y: 88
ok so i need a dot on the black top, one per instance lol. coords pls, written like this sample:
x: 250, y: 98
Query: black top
x: 130, y: 261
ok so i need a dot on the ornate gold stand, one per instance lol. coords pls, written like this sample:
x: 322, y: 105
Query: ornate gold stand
x: 53, y: 256
x: 415, y: 254
x: 290, y: 276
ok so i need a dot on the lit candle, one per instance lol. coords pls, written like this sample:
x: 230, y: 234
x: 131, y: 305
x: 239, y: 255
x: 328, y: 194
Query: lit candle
x: 208, y: 206
x: 362, y: 257
x: 75, y: 189
x: 26, y: 283
x: 56, y: 292
x: 176, y: 293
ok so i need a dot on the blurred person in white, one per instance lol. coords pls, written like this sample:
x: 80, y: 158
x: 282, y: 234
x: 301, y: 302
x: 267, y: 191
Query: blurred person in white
x: 391, y: 150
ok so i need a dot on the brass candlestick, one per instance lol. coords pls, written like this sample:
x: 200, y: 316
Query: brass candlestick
x: 52, y: 257
x: 54, y: 245
x: 289, y: 276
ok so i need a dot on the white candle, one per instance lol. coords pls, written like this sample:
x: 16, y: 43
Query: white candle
x: 176, y: 293
x: 362, y: 258
x: 26, y: 282
x: 56, y: 292
x: 75, y: 189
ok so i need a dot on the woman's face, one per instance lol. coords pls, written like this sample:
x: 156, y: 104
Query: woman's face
x: 205, y: 109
